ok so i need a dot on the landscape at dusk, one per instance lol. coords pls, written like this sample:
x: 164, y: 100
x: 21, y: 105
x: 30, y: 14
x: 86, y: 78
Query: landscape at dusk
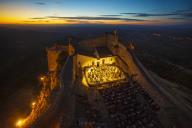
x: 150, y: 12
x: 96, y: 63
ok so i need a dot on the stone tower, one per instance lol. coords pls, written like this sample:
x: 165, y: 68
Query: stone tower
x: 53, y: 54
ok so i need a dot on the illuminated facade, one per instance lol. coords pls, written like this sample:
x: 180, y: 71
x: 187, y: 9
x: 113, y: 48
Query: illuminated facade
x: 95, y: 69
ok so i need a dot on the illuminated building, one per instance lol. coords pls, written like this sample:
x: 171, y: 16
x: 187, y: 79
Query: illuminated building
x: 95, y: 83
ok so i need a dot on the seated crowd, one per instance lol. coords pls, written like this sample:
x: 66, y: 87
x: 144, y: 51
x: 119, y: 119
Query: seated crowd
x: 103, y: 74
x: 126, y: 110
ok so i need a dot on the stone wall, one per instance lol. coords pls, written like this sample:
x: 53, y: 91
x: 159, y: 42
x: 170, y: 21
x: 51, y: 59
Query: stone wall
x: 127, y: 60
x: 134, y: 68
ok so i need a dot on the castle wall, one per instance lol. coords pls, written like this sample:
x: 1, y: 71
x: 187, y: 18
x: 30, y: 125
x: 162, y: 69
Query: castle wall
x: 52, y: 60
x: 133, y: 67
x: 127, y: 61
x: 75, y: 73
x: 122, y: 64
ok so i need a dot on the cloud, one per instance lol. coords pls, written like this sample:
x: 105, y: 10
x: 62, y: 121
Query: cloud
x: 110, y: 15
x: 189, y: 15
x: 40, y: 3
x: 29, y: 21
x: 86, y: 19
x: 148, y: 14
x: 37, y: 18
x: 94, y: 18
x: 183, y: 10
x: 185, y: 13
x: 84, y: 22
x: 177, y: 18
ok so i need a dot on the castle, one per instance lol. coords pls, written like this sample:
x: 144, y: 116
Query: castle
x: 98, y: 82
x: 93, y: 66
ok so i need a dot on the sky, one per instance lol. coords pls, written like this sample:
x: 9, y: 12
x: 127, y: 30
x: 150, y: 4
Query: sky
x: 141, y: 12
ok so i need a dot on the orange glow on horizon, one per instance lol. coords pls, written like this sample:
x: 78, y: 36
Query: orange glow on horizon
x: 23, y: 21
x: 28, y: 12
x: 10, y: 17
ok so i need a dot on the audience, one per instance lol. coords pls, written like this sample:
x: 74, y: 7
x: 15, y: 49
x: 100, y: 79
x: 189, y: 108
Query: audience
x: 126, y: 110
x: 103, y: 74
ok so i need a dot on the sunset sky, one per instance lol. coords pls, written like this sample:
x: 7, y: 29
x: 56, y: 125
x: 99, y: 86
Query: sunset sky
x: 142, y: 12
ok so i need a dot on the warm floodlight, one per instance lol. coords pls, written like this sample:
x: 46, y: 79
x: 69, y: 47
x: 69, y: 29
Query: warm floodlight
x: 42, y: 78
x: 19, y: 123
x: 33, y: 104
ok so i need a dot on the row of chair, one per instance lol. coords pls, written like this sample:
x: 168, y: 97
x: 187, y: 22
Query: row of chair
x: 126, y: 110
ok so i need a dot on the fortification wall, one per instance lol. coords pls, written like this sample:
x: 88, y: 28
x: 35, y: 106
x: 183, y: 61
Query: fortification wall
x: 52, y: 59
x: 134, y: 67
x: 122, y: 64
